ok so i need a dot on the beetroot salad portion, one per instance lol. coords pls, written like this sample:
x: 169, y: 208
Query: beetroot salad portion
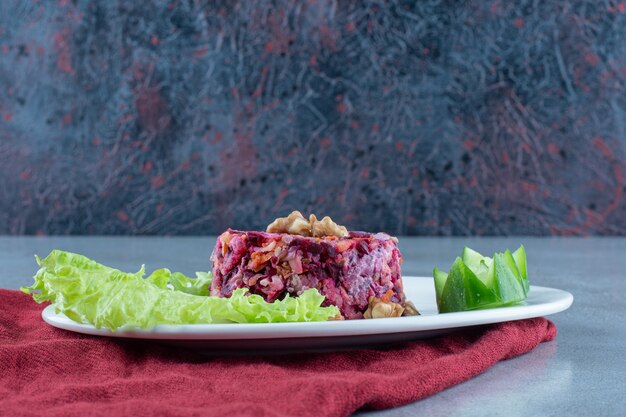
x: 350, y: 271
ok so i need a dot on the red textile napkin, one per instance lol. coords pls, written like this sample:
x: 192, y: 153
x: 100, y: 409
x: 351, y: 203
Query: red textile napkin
x: 52, y: 372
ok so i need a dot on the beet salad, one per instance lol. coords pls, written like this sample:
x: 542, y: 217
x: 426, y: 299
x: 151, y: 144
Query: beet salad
x: 357, y: 272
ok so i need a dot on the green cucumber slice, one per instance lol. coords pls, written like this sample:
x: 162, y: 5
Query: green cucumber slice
x: 520, y: 260
x: 480, y: 265
x: 453, y: 293
x: 464, y: 291
x: 440, y: 281
x: 472, y: 259
x: 488, y: 274
x: 509, y: 286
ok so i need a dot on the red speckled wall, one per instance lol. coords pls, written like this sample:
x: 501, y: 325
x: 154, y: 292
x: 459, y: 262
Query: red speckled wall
x: 186, y: 117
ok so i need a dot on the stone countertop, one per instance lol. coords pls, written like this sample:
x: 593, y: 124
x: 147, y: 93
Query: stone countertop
x: 581, y: 373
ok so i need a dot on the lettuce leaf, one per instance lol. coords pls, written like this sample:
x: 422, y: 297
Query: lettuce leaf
x: 88, y: 292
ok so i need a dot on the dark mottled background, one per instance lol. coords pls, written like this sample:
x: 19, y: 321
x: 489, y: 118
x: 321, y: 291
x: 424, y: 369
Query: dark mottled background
x: 435, y: 118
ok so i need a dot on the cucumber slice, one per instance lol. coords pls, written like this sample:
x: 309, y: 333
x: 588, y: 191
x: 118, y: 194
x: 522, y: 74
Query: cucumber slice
x: 471, y: 258
x: 453, y: 293
x: 464, y: 291
x: 520, y: 260
x: 440, y: 281
x: 481, y: 266
x: 509, y: 286
x: 488, y: 274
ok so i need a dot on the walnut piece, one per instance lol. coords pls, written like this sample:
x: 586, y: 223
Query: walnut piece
x: 378, y: 309
x: 410, y: 309
x: 326, y: 227
x: 336, y: 317
x: 296, y: 224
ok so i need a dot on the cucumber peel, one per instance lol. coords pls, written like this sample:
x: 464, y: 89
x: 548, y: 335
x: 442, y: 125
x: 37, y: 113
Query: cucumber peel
x: 478, y: 282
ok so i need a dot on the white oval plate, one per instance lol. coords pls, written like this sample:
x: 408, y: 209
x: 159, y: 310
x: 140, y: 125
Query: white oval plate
x: 541, y: 301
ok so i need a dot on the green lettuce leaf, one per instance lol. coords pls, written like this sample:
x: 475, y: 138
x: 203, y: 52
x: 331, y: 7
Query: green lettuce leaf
x: 88, y: 292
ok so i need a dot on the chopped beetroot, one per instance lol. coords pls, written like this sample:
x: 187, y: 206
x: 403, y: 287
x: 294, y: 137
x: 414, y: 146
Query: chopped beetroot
x: 347, y: 271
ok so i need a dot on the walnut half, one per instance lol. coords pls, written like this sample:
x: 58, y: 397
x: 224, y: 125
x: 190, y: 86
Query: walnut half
x: 326, y: 227
x: 296, y: 224
x: 378, y: 309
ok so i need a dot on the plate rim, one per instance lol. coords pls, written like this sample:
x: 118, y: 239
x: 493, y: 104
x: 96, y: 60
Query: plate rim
x: 236, y: 331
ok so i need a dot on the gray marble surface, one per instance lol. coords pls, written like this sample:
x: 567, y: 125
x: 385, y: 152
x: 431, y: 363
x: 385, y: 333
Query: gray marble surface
x: 582, y: 373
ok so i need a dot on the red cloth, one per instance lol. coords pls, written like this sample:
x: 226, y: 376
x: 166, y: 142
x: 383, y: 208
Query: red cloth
x: 52, y: 372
